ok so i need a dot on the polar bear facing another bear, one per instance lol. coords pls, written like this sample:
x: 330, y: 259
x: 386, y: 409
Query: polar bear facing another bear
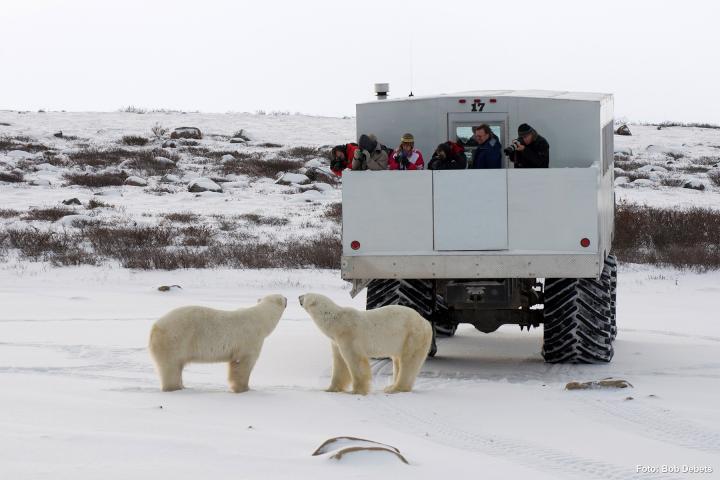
x: 204, y: 335
x: 393, y: 331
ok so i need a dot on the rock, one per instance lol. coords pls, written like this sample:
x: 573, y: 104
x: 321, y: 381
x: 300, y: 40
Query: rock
x: 40, y: 182
x: 46, y: 167
x: 164, y: 161
x: 204, y: 184
x: 167, y: 288
x: 62, y: 158
x: 643, y: 182
x: 321, y: 174
x: 19, y: 154
x: 58, y: 134
x: 623, y: 130
x: 136, y: 181
x: 313, y: 163
x: 238, y: 140
x: 170, y: 178
x: 126, y: 164
x: 72, y: 201
x: 694, y: 184
x: 324, y: 187
x: 227, y: 158
x: 652, y: 168
x: 621, y: 180
x: 604, y: 383
x: 627, y: 151
x: 74, y: 220
x: 186, y: 132
x: 169, y: 144
x: 292, y: 178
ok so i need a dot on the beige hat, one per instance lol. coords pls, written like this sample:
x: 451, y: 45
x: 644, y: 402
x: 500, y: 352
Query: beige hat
x: 407, y: 138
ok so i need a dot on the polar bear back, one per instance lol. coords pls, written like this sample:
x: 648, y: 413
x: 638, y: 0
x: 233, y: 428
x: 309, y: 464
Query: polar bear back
x: 203, y: 334
x: 388, y: 328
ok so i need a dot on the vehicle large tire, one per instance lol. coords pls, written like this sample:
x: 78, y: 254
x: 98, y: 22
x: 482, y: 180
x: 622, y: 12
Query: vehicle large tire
x: 611, y: 268
x: 416, y: 294
x: 579, y: 316
x: 444, y: 326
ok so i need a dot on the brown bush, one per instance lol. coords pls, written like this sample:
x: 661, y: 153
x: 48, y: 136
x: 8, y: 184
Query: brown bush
x: 197, y: 236
x: 182, y: 217
x: 260, y: 220
x: 134, y: 140
x: 714, y: 176
x: 306, y: 153
x: 11, y: 177
x: 334, y: 212
x: 257, y: 167
x: 9, y: 213
x: 51, y: 214
x: 93, y: 204
x: 110, y: 179
x: 679, y: 238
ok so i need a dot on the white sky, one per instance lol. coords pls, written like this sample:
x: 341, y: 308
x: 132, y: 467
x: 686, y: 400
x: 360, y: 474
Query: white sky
x: 659, y: 58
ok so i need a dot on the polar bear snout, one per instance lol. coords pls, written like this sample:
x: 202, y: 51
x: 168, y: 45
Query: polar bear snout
x: 301, y: 298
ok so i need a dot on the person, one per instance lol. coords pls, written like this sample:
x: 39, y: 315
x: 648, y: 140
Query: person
x: 488, y: 153
x: 370, y: 154
x: 341, y: 157
x: 530, y: 150
x: 406, y: 157
x: 448, y: 156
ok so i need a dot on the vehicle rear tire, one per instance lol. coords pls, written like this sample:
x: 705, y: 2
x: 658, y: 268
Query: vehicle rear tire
x: 579, y: 318
x: 444, y: 326
x: 416, y: 294
x: 611, y: 266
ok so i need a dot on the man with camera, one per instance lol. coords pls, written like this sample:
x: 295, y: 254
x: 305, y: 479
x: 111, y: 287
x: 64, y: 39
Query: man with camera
x: 488, y: 153
x: 529, y: 150
x: 370, y: 154
x: 341, y: 157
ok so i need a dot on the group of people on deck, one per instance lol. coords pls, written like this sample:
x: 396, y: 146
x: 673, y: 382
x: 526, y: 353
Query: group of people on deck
x: 529, y: 150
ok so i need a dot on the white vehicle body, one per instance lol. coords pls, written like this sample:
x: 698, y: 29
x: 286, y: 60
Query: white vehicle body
x: 502, y: 223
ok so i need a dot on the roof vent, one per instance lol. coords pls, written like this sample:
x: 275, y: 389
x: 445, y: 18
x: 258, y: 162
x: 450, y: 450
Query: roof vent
x: 382, y: 90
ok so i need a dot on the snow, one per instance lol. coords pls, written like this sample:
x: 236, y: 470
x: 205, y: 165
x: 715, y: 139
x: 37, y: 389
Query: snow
x: 80, y: 397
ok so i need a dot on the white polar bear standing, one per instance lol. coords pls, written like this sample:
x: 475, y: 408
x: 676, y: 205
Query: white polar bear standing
x: 393, y: 331
x: 205, y: 335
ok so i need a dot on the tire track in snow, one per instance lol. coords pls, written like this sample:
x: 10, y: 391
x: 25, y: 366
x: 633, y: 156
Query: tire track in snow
x: 655, y: 424
x: 519, y: 451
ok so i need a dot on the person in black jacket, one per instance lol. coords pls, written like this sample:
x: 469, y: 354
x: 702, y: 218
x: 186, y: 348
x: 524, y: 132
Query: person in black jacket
x: 530, y: 149
x: 448, y: 158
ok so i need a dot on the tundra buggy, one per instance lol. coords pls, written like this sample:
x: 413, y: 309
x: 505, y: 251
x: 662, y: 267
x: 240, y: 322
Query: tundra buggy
x: 473, y: 246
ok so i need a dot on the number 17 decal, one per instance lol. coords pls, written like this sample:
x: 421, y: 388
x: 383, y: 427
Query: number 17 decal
x: 477, y: 106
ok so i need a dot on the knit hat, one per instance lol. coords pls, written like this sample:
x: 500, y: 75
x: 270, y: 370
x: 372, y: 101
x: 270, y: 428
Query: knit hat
x: 407, y: 138
x: 524, y: 129
x: 368, y: 142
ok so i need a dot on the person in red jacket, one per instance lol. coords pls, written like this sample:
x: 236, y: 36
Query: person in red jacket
x: 406, y: 157
x: 341, y: 157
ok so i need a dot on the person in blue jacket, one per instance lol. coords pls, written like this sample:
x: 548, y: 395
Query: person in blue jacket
x: 488, y: 153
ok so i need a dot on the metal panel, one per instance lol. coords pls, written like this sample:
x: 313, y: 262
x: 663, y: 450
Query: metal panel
x: 490, y: 265
x: 387, y: 211
x: 553, y: 209
x: 470, y: 209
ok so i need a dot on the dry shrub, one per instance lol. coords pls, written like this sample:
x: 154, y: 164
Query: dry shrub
x: 714, y: 176
x: 93, y: 204
x: 134, y: 140
x: 260, y: 220
x: 334, y: 212
x: 679, y: 238
x: 182, y: 217
x: 11, y: 177
x: 107, y: 179
x: 51, y: 214
x: 9, y: 213
x: 257, y: 167
x: 306, y: 153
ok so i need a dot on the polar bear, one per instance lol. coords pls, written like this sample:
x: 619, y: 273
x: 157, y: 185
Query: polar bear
x: 393, y: 331
x: 205, y: 335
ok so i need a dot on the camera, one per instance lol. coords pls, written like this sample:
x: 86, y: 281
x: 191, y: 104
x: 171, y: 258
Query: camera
x: 513, y: 147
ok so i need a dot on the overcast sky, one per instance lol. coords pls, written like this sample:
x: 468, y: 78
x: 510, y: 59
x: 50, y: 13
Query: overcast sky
x: 659, y: 58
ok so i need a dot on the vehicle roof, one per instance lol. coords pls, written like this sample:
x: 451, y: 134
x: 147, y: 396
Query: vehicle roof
x: 549, y: 94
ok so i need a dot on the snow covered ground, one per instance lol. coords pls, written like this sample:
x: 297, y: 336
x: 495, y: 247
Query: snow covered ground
x: 79, y: 397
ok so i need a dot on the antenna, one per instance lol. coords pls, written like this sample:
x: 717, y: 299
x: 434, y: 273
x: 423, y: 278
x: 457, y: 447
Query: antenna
x: 412, y: 71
